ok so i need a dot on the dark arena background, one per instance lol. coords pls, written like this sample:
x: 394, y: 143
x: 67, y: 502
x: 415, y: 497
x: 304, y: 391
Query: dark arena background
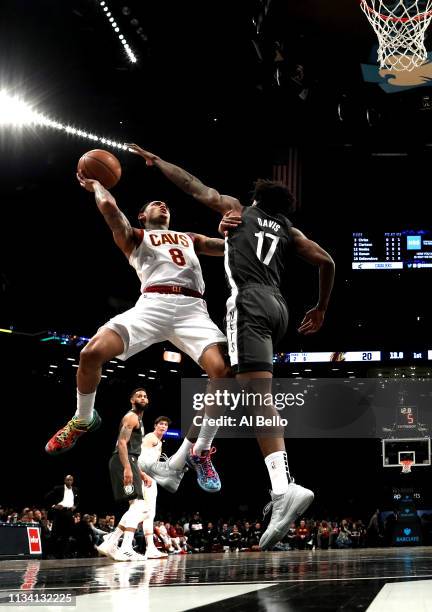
x: 231, y: 91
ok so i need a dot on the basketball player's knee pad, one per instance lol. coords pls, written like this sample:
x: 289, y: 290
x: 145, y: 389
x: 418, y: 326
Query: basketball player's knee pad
x: 137, y: 512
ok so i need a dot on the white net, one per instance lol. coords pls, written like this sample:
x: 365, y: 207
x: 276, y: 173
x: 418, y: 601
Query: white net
x: 406, y: 466
x: 400, y: 26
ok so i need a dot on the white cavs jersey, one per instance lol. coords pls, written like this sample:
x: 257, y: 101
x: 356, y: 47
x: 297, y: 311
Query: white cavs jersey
x: 165, y: 257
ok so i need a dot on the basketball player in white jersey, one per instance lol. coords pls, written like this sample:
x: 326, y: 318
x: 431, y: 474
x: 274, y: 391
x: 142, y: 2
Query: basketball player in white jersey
x: 151, y: 449
x: 170, y: 308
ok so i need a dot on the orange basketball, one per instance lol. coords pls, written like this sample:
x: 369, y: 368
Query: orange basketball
x: 101, y: 166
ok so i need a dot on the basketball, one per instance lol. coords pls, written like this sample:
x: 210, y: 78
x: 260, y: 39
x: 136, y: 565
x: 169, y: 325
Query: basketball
x: 101, y: 166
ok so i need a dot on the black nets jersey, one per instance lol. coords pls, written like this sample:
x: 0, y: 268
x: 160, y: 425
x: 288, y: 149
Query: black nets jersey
x: 135, y: 441
x: 257, y: 251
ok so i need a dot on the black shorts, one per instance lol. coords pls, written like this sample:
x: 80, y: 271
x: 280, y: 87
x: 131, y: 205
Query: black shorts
x: 256, y: 320
x: 116, y: 472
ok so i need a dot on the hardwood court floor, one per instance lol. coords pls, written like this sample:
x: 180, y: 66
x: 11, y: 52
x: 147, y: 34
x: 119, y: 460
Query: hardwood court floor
x: 378, y: 580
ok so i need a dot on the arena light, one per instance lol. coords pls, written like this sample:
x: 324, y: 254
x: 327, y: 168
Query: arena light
x: 6, y: 331
x: 16, y: 113
x: 172, y: 356
x: 108, y: 14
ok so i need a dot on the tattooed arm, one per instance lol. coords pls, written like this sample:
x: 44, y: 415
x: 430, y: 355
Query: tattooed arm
x: 125, y: 236
x: 208, y: 246
x: 129, y: 422
x: 189, y: 184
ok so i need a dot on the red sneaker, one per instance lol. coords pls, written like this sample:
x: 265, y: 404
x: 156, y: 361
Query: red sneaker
x: 67, y: 436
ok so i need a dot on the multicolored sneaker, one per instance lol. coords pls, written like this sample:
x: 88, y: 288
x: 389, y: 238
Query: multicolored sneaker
x: 67, y: 436
x: 207, y: 477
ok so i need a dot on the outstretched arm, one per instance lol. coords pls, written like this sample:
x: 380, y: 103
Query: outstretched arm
x: 311, y: 252
x: 123, y: 233
x: 208, y: 246
x: 188, y: 183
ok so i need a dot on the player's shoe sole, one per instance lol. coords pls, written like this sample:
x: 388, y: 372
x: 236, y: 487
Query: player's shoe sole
x: 67, y: 436
x: 286, y: 508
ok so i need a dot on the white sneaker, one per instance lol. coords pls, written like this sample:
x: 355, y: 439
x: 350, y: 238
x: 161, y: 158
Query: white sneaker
x: 154, y: 553
x: 107, y: 548
x: 128, y: 555
x: 285, y: 509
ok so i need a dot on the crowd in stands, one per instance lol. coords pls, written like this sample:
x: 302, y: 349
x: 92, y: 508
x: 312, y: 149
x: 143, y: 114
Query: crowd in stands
x: 193, y: 535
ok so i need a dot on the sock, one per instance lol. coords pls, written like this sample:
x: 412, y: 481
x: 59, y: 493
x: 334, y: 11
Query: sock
x: 85, y: 403
x: 277, y: 465
x: 203, y: 442
x: 116, y: 535
x: 205, y: 438
x: 127, y: 540
x: 178, y: 460
x: 149, y: 541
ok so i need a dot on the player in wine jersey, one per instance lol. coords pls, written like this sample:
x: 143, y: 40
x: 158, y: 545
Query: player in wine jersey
x: 151, y: 450
x: 260, y: 243
x: 171, y: 308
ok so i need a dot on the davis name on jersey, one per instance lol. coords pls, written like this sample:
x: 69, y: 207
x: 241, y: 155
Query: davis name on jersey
x: 268, y: 223
x: 166, y: 257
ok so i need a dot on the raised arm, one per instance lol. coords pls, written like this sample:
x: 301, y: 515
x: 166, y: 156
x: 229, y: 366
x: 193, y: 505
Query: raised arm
x: 125, y: 236
x: 188, y: 183
x: 311, y: 252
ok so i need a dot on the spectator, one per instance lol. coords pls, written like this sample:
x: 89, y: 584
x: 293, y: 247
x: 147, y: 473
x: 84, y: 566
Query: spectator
x: 84, y: 537
x: 303, y: 535
x: 323, y: 538
x: 63, y: 500
x: 210, y: 537
x: 196, y: 532
x: 334, y: 532
x: 98, y: 533
x: 375, y: 530
x: 224, y: 537
x: 246, y: 535
x: 291, y: 536
x: 183, y: 540
x: 235, y: 538
x: 344, y: 538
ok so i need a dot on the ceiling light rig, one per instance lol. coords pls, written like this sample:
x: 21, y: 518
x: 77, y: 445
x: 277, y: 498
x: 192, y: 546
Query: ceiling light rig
x: 108, y: 14
x: 15, y: 112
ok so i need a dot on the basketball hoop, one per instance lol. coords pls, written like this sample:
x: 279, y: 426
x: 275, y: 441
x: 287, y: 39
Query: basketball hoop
x: 400, y: 26
x: 406, y: 465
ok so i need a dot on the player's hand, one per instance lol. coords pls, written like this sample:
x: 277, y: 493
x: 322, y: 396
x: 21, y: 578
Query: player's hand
x: 312, y: 321
x: 146, y: 479
x: 150, y: 158
x: 127, y: 476
x: 230, y: 220
x: 87, y: 184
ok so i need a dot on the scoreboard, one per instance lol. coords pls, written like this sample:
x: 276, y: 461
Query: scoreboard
x: 354, y: 356
x: 403, y: 250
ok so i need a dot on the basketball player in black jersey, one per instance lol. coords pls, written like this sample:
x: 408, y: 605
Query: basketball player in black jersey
x: 260, y: 242
x: 126, y: 481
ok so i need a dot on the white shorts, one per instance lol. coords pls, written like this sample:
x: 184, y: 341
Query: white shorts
x: 179, y: 319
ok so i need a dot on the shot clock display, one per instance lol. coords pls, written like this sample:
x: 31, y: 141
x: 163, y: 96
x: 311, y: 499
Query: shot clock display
x: 400, y: 250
